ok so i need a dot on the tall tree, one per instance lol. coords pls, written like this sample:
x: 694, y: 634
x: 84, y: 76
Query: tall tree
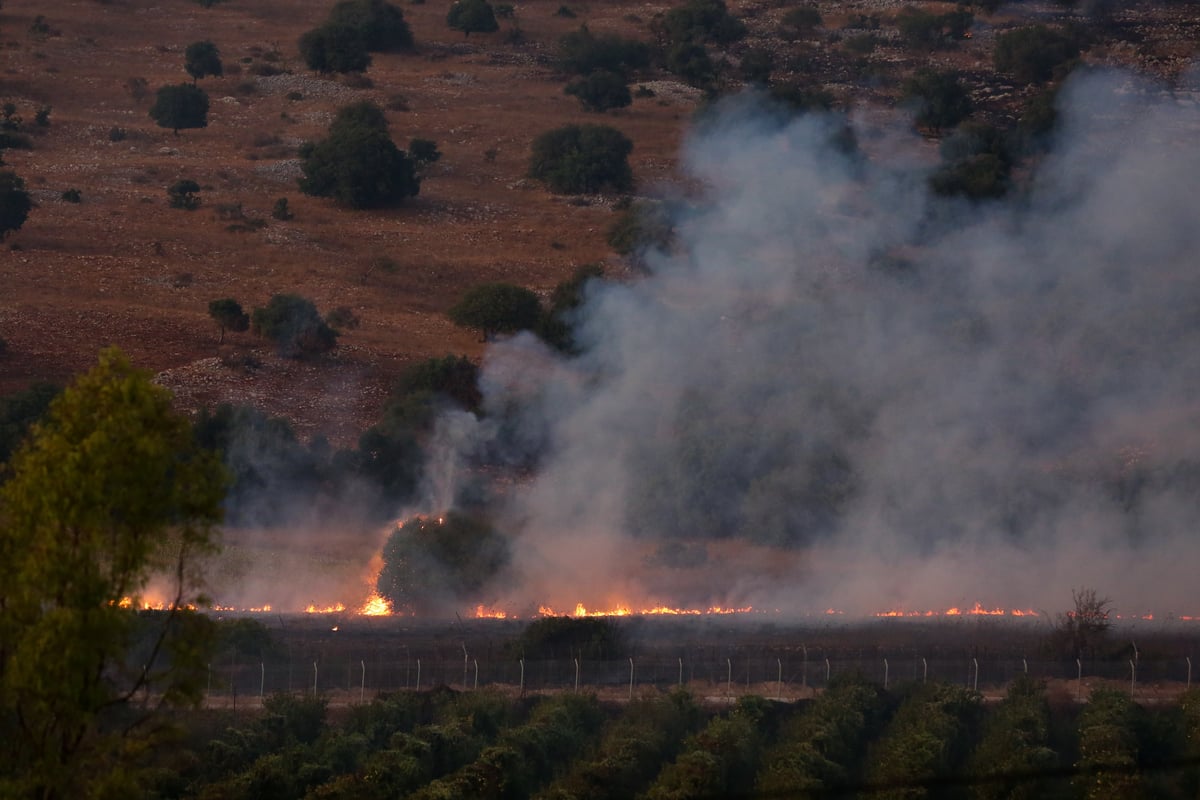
x: 472, y: 16
x: 493, y: 308
x: 109, y: 491
x: 228, y: 315
x: 358, y: 164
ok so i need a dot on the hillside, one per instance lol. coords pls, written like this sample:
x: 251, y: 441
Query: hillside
x: 121, y: 267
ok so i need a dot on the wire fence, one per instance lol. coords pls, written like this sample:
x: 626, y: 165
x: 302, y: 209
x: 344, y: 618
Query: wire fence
x: 786, y: 678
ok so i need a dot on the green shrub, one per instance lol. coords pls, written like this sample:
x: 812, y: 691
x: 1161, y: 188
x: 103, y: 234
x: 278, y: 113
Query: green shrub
x: 182, y: 194
x: 358, y: 164
x: 600, y: 91
x: 292, y: 322
x: 580, y: 159
x: 1035, y: 54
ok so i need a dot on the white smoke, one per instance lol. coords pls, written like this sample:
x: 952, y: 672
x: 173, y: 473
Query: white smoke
x: 930, y: 404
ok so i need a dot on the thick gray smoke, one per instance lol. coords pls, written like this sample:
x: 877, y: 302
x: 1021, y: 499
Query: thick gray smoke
x: 838, y: 391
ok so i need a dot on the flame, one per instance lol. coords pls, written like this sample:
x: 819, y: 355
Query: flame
x: 976, y: 610
x: 375, y: 606
x: 623, y: 610
x: 482, y: 612
x: 336, y: 608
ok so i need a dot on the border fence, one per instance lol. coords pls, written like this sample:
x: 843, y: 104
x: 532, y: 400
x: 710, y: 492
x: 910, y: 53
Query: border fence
x: 791, y: 677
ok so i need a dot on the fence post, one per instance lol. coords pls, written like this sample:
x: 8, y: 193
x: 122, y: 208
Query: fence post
x: 476, y: 660
x: 1078, y: 679
x: 577, y: 676
x: 885, y: 675
x: 418, y: 674
x: 314, y: 679
x: 1189, y: 662
x: 631, y: 677
x: 975, y: 682
x: 1025, y: 664
x: 262, y: 680
x: 522, y: 676
x: 826, y: 672
x: 362, y: 689
x: 779, y: 689
x: 681, y: 672
x: 729, y: 677
x: 1132, y: 677
x: 804, y: 669
x: 924, y: 670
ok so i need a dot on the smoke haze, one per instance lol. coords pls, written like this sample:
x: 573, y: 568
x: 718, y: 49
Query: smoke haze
x: 839, y: 391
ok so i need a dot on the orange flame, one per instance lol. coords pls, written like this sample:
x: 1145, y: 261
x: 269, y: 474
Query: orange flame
x: 375, y: 606
x: 333, y: 609
x: 976, y: 610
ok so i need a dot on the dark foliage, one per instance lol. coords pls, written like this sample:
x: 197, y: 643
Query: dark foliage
x: 293, y: 324
x: 435, y: 567
x: 182, y: 194
x: 555, y: 325
x: 472, y: 16
x: 591, y: 638
x: 358, y: 164
x: 600, y: 91
x: 179, y: 107
x: 582, y: 52
x: 495, y: 308
x: 644, y: 226
x: 580, y: 159
x: 1035, y: 54
x: 938, y: 99
x: 335, y: 48
x: 700, y: 21
x: 923, y: 29
x: 202, y: 59
x: 381, y: 25
x: 228, y: 315
x: 18, y: 412
x: 15, y: 203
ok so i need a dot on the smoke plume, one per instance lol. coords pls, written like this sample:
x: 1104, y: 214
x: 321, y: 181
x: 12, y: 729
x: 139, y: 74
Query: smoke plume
x: 837, y: 390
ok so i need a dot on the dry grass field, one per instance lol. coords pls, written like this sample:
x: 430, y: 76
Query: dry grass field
x: 123, y: 268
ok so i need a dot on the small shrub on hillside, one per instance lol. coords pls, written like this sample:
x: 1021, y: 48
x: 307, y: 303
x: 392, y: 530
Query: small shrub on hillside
x: 358, y: 164
x: 582, y: 159
x: 600, y: 91
x: 280, y: 210
x: 41, y: 117
x: 565, y: 12
x: 138, y: 88
x: 342, y: 318
x: 335, y: 48
x: 15, y: 203
x: 938, y: 99
x: 117, y: 134
x: 181, y: 106
x: 1034, y: 55
x: 72, y: 196
x: 582, y: 52
x: 202, y: 59
x: 292, y: 322
x: 472, y: 16
x: 182, y: 194
x: 802, y: 20
x: 495, y: 308
x: 381, y: 24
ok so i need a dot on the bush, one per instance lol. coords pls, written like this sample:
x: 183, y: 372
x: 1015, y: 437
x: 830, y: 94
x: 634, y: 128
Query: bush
x: 281, y: 211
x: 335, y: 48
x: 182, y: 106
x: 495, y: 308
x: 600, y: 91
x: 1034, y: 55
x: 690, y: 61
x: 580, y: 159
x: 582, y: 52
x: 938, y: 99
x: 472, y: 16
x: 72, y: 196
x: 644, y: 226
x: 182, y: 194
x: 920, y: 28
x: 423, y: 152
x: 228, y: 315
x: 358, y: 164
x: 591, y: 638
x: 292, y: 322
x: 700, y: 21
x: 380, y: 24
x: 15, y: 203
x: 201, y: 59
x: 802, y: 20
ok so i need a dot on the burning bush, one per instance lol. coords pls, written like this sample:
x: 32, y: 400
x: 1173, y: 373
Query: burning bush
x: 429, y: 563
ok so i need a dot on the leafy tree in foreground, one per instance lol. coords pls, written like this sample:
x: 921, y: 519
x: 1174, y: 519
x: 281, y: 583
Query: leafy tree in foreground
x: 178, y: 107
x: 15, y: 203
x: 201, y: 59
x: 581, y: 159
x: 109, y: 490
x: 335, y: 48
x: 292, y: 322
x: 472, y: 16
x: 494, y: 308
x: 228, y: 315
x: 358, y: 164
x: 433, y: 566
x: 380, y: 24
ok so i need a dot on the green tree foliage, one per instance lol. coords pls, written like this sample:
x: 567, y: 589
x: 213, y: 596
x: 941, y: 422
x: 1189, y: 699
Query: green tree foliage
x: 938, y: 99
x: 15, y: 203
x: 201, y: 59
x: 582, y: 52
x: 423, y: 152
x: 1035, y: 54
x: 292, y: 322
x: 699, y: 21
x: 449, y: 378
x: 1016, y: 741
x: 109, y: 490
x: 823, y: 748
x: 358, y: 164
x: 556, y: 323
x: 929, y: 737
x: 472, y: 16
x: 335, y: 48
x: 526, y: 758
x: 1108, y: 738
x: 495, y: 308
x: 380, y: 24
x: 631, y: 751
x: 719, y: 760
x: 582, y: 159
x: 228, y: 315
x: 600, y: 91
x: 433, y: 566
x: 690, y: 60
x: 178, y: 107
x: 182, y: 194
x: 18, y: 412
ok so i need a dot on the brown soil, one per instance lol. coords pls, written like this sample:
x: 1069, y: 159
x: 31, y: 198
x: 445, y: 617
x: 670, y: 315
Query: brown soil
x: 123, y: 268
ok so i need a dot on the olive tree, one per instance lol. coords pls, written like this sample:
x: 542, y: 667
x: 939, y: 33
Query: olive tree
x: 472, y: 16
x: 228, y: 315
x: 201, y: 59
x: 494, y: 308
x: 15, y: 203
x: 292, y: 322
x: 110, y: 491
x: 580, y: 159
x: 358, y: 164
x: 181, y: 106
